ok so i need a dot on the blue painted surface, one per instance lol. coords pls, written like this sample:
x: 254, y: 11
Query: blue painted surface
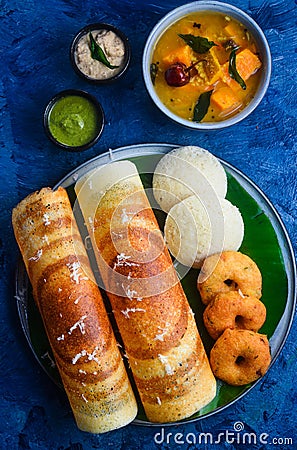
x: 35, y: 39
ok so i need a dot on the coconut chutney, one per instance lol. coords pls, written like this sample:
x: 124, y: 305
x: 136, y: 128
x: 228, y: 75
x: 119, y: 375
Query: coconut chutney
x: 113, y: 48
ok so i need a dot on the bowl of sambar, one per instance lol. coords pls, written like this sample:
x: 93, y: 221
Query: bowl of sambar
x: 206, y: 65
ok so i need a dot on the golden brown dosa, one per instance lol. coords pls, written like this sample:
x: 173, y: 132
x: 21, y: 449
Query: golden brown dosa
x: 157, y: 325
x: 73, y: 312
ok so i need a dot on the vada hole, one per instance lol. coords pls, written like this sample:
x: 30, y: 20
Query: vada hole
x: 239, y: 321
x: 239, y: 360
x: 231, y: 283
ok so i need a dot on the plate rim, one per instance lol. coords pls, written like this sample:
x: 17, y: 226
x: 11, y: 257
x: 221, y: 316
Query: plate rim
x: 286, y: 320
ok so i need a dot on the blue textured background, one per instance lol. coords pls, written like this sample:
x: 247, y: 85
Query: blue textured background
x: 35, y: 39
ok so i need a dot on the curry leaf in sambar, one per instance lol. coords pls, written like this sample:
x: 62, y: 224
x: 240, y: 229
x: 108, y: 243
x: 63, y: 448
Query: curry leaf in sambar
x: 198, y: 43
x: 233, y: 72
x: 153, y: 72
x: 202, y: 106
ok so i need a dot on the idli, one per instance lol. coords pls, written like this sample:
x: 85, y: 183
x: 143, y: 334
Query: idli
x: 195, y: 229
x: 187, y: 171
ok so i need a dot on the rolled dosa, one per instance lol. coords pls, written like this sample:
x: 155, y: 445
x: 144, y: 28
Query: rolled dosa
x: 162, y: 343
x: 73, y: 312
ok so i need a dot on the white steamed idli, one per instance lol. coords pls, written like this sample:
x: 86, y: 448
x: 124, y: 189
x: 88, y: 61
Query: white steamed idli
x: 195, y: 229
x: 186, y: 171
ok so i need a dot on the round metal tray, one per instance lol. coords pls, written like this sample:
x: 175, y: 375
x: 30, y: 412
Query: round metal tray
x: 266, y: 241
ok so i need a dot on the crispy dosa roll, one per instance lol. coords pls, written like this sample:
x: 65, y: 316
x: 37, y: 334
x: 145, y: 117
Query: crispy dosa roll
x: 165, y: 352
x: 72, y: 309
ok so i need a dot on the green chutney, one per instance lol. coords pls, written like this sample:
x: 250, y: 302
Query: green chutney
x: 73, y: 121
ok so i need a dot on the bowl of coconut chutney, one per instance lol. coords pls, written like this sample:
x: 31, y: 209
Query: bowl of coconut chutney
x: 100, y: 53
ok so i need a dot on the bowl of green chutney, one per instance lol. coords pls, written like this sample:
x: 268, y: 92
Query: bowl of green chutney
x: 73, y: 120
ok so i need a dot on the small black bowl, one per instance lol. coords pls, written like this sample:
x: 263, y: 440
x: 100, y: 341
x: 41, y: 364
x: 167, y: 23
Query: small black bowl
x: 100, y: 26
x: 99, y: 112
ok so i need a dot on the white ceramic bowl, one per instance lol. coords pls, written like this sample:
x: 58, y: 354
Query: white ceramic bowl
x: 213, y: 6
